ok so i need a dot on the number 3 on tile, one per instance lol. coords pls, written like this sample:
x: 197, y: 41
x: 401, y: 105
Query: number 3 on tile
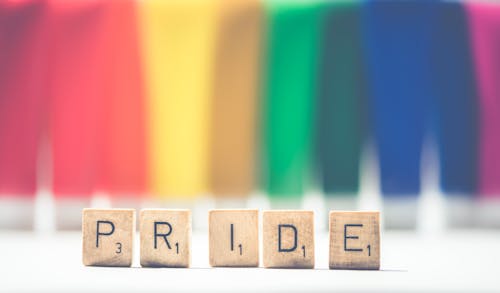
x: 118, y: 248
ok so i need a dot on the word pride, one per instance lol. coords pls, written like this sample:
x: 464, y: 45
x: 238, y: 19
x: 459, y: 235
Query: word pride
x: 288, y: 238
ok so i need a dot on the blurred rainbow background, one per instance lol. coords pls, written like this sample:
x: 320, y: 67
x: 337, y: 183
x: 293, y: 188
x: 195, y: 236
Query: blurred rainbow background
x: 389, y: 105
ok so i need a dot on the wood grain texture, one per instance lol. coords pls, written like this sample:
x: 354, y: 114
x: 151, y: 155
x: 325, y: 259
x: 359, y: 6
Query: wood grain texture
x: 234, y: 238
x: 108, y: 237
x: 171, y: 246
x: 355, y: 240
x: 288, y: 239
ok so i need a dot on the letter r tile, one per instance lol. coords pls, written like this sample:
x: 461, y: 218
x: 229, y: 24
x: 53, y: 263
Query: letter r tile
x: 355, y: 240
x: 108, y: 236
x: 288, y: 237
x: 165, y: 238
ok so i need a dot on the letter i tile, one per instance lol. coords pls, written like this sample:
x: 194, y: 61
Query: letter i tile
x: 234, y: 238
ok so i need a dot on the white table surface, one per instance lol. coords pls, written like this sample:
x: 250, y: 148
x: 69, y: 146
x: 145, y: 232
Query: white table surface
x: 467, y: 261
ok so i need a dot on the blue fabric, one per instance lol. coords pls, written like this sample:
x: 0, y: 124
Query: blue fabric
x: 455, y: 123
x: 397, y: 47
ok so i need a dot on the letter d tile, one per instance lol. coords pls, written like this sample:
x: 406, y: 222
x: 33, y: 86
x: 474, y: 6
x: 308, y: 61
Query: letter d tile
x: 288, y: 238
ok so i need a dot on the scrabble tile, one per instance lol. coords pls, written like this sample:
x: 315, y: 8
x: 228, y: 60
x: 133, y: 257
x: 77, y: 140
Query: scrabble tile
x: 165, y: 238
x: 355, y: 240
x: 234, y: 238
x: 108, y: 237
x: 288, y: 239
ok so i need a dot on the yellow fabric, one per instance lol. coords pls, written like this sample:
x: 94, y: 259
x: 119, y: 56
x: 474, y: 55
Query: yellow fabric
x: 178, y: 43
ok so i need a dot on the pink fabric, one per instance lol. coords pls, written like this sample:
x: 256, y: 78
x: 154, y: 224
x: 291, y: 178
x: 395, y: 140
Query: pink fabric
x: 484, y: 19
x: 22, y: 93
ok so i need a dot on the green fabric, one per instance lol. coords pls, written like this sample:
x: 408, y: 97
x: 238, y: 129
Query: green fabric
x: 291, y: 65
x: 341, y: 100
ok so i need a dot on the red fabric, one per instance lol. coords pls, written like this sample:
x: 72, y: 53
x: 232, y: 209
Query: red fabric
x: 122, y: 139
x: 80, y: 73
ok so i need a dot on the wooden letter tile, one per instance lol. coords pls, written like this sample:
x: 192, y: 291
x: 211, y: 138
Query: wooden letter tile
x: 234, y: 238
x: 165, y: 238
x: 355, y: 240
x: 288, y: 239
x: 108, y: 236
